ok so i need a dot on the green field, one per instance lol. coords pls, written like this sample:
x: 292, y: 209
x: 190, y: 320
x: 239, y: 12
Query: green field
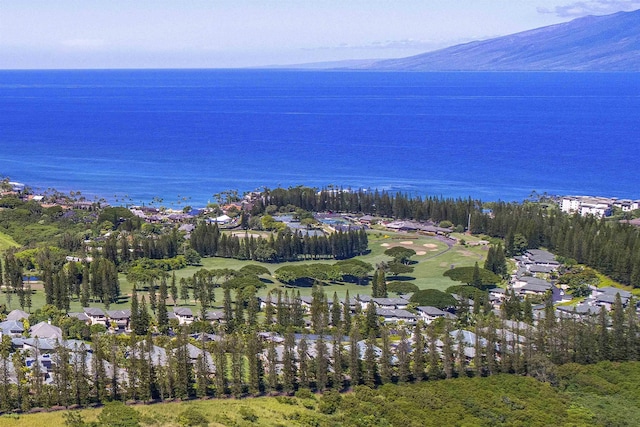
x: 7, y: 242
x: 431, y: 262
x: 433, y: 258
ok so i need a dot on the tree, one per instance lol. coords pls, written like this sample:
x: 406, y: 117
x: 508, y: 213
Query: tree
x: 174, y: 289
x: 400, y: 254
x: 475, y: 276
x: 434, y: 298
x: 117, y: 414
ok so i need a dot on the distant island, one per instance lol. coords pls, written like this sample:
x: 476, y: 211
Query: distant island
x: 593, y: 43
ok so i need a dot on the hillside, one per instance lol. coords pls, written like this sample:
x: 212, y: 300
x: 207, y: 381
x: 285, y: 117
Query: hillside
x: 593, y: 395
x: 592, y: 43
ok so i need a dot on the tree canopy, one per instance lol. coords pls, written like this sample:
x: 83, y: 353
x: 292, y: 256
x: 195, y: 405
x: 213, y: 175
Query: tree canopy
x: 466, y: 275
x: 434, y: 298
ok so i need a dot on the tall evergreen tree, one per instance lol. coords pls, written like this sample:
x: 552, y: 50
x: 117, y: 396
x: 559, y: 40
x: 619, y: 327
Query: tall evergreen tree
x: 322, y: 364
x: 355, y: 370
x: 370, y: 365
x: 404, y: 360
x: 418, y: 353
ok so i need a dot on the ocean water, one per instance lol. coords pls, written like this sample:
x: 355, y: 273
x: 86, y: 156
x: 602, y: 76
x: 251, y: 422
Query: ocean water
x: 185, y: 135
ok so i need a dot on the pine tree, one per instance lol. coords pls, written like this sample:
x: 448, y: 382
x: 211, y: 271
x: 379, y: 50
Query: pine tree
x: 402, y: 353
x: 303, y: 362
x: 237, y: 366
x: 184, y: 290
x: 253, y: 307
x: 162, y: 315
x: 145, y: 318
x: 319, y: 309
x: 386, y: 374
x: 346, y: 313
x: 604, y: 345
x: 174, y: 289
x: 220, y: 357
x: 418, y: 353
x: 239, y: 309
x: 632, y: 330
x: 153, y: 298
x: 447, y: 351
x: 272, y: 363
x: 135, y: 320
x: 289, y: 362
x: 355, y: 370
x: 297, y: 312
x: 336, y: 311
x: 370, y: 373
x: 371, y: 320
x: 337, y: 380
x: 228, y: 311
x: 435, y: 371
x: 322, y: 364
x: 85, y: 291
x: 269, y: 313
x: 618, y: 332
x: 253, y: 350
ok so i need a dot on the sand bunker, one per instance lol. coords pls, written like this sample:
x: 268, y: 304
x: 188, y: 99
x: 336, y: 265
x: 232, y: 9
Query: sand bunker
x: 430, y: 245
x: 384, y: 244
x: 421, y: 253
x: 407, y: 242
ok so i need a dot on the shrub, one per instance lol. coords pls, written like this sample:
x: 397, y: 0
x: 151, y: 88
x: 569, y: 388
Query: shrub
x: 248, y: 414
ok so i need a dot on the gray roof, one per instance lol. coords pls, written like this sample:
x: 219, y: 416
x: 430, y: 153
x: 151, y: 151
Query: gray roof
x: 182, y: 311
x: 80, y: 316
x: 431, y: 311
x: 45, y: 330
x: 536, y: 281
x: 535, y: 287
x: 11, y: 326
x: 610, y: 290
x: 215, y: 315
x: 401, y: 314
x: 390, y: 301
x: 94, y: 311
x: 119, y: 314
x: 17, y: 315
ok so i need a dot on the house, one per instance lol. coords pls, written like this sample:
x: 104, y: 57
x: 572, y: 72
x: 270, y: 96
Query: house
x: 13, y: 328
x: 215, y: 316
x: 195, y: 352
x: 96, y: 315
x: 391, y: 303
x: 428, y: 313
x: 396, y: 315
x: 121, y: 318
x: 184, y: 315
x: 39, y: 345
x: 578, y: 311
x: 18, y: 315
x: 81, y: 317
x: 46, y: 330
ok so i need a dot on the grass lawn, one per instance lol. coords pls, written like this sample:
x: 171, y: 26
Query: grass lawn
x: 432, y: 259
x: 220, y: 412
x: 7, y: 242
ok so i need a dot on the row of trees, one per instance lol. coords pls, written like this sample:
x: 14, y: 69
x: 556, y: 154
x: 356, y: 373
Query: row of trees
x: 207, y: 240
x: 94, y: 281
x: 242, y: 363
x: 378, y: 203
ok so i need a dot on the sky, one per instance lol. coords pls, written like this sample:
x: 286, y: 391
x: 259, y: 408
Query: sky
x: 45, y: 34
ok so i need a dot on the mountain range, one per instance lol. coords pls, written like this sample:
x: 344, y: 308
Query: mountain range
x: 592, y: 43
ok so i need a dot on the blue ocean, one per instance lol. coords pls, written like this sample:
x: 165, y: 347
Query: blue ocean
x: 184, y: 135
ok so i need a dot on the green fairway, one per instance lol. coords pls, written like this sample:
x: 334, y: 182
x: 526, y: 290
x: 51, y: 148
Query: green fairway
x: 433, y: 257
